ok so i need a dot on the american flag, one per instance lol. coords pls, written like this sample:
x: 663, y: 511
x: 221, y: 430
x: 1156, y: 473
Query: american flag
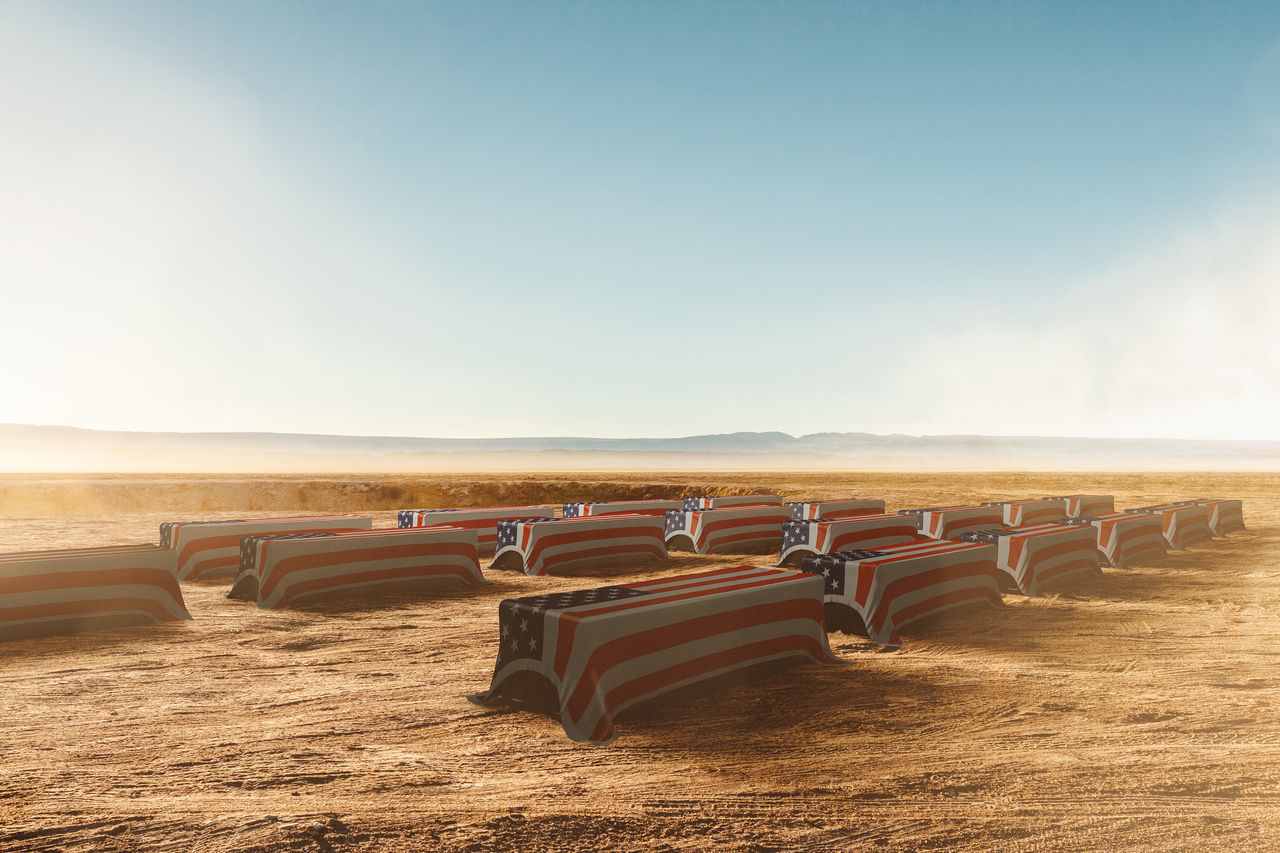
x: 1126, y: 538
x: 538, y: 546
x: 834, y: 509
x: 84, y: 589
x: 1039, y: 556
x: 483, y: 520
x: 733, y: 530
x: 284, y: 571
x: 877, y: 592
x: 645, y: 507
x: 168, y: 528
x: 1081, y: 505
x: 916, y: 514
x: 603, y: 650
x: 212, y: 548
x: 722, y: 501
x: 948, y: 522
x: 825, y: 535
x: 1225, y: 516
x: 1182, y: 526
x: 1018, y: 513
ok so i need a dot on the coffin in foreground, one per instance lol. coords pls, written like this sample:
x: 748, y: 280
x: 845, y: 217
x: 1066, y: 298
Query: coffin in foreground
x: 61, y: 592
x: 600, y: 651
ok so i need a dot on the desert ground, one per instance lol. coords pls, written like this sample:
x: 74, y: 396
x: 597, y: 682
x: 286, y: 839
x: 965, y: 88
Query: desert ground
x: 1138, y: 712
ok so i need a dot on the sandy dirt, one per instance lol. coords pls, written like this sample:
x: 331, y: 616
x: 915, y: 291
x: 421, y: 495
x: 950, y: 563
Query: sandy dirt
x: 1139, y: 712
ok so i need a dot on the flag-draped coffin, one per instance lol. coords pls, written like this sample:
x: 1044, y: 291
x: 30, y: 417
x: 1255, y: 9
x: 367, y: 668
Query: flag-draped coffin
x: 208, y: 549
x: 828, y: 535
x: 1127, y: 538
x: 948, y: 522
x: 68, y: 591
x: 1039, y: 557
x: 288, y: 570
x: 484, y: 521
x: 645, y: 507
x: 1019, y: 513
x: 801, y: 510
x: 538, y: 546
x: 1225, y: 516
x: 877, y: 592
x: 732, y: 530
x: 1182, y: 525
x: 604, y: 650
x: 723, y: 501
x: 1079, y: 506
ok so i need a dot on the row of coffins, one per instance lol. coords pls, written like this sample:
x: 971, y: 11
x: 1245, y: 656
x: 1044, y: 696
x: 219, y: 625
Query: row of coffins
x: 598, y: 652
x: 594, y: 653
x: 282, y: 562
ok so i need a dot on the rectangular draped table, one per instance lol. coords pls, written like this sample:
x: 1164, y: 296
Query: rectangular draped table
x: 83, y: 589
x: 286, y: 570
x: 723, y: 501
x: 207, y: 549
x: 828, y: 535
x: 801, y: 510
x: 484, y: 521
x: 1038, y: 557
x: 1182, y: 525
x: 732, y: 530
x: 1018, y: 513
x: 538, y: 546
x: 948, y: 522
x: 646, y: 507
x: 1082, y: 505
x: 877, y: 592
x: 1225, y: 516
x: 600, y: 651
x: 1126, y: 538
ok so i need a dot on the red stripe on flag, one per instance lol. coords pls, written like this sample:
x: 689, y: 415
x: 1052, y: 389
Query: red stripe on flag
x: 798, y: 643
x: 623, y: 649
x: 568, y: 622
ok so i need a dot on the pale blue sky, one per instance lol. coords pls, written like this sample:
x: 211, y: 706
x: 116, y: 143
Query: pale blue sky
x: 476, y: 219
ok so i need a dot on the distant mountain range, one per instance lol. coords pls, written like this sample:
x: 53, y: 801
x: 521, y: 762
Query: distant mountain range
x: 25, y: 447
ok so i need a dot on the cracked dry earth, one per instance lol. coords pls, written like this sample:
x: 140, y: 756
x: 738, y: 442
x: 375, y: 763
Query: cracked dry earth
x: 1138, y: 712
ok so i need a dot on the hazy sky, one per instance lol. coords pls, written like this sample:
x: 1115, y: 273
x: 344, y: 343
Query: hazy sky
x: 658, y: 218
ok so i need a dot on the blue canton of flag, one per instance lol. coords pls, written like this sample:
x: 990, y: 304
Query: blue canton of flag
x: 509, y: 530
x: 986, y: 537
x: 918, y: 513
x: 833, y: 567
x: 797, y: 509
x: 795, y: 533
x: 677, y: 520
x: 522, y: 621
